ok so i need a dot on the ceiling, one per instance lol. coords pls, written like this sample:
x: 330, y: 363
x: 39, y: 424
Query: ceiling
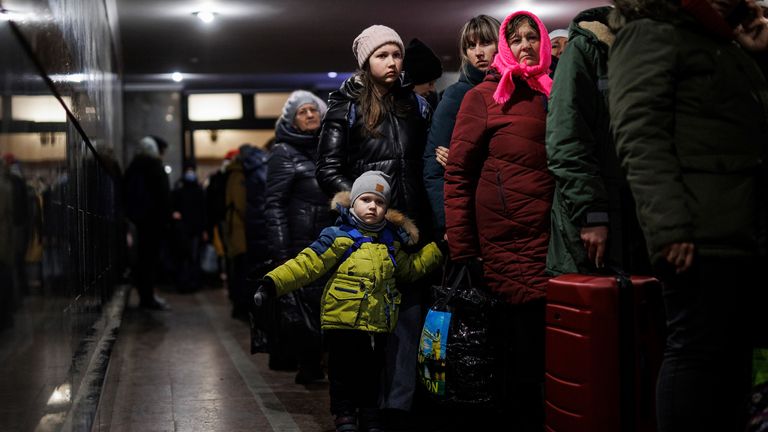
x: 252, y: 40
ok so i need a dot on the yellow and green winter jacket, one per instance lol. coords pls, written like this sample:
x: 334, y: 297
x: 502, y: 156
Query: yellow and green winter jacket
x: 362, y: 292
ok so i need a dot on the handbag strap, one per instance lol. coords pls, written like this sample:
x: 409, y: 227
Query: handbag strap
x: 459, y: 272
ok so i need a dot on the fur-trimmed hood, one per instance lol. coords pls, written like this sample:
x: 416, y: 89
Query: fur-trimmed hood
x: 342, y: 201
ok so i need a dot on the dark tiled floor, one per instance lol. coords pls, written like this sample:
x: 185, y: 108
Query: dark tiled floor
x: 190, y: 369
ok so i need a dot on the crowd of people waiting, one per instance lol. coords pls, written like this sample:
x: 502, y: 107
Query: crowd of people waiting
x: 635, y: 140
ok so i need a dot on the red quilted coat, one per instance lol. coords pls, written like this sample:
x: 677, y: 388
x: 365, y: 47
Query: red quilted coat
x: 498, y: 191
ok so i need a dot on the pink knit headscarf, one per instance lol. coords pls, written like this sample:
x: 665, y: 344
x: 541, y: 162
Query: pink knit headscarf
x: 536, y: 76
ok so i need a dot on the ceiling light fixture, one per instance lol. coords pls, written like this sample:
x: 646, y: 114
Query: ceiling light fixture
x: 205, y: 16
x: 332, y: 74
x: 177, y: 76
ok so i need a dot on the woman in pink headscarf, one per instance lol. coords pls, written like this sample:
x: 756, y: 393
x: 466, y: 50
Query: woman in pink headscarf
x: 498, y: 194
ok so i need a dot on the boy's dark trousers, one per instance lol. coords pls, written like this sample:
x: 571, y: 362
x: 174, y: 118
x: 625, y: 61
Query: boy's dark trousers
x: 355, y: 364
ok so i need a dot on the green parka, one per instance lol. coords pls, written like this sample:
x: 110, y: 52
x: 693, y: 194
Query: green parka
x: 689, y: 111
x: 362, y: 292
x: 590, y: 186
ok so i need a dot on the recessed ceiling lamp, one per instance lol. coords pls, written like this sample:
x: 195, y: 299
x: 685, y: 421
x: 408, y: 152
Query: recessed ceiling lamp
x: 205, y: 16
x: 177, y: 76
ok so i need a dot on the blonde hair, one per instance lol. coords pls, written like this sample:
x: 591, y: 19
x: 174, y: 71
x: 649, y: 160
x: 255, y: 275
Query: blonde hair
x: 482, y: 28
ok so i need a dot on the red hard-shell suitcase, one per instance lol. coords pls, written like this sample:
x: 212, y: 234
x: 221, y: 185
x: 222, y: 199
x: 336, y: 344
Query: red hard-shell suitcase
x: 604, y: 343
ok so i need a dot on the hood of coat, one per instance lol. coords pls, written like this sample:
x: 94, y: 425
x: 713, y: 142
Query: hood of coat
x: 286, y: 133
x: 594, y: 24
x: 353, y: 86
x: 342, y: 201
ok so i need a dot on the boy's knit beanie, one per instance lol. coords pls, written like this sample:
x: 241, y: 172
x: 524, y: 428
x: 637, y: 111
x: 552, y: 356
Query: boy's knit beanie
x: 372, y: 38
x: 375, y: 182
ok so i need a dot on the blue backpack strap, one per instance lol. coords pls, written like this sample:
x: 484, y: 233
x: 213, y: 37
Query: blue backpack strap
x: 358, y: 238
x: 386, y: 238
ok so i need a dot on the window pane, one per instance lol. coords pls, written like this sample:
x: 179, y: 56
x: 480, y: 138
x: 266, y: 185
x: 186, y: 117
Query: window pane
x: 269, y: 105
x: 213, y: 107
x: 41, y: 109
x: 227, y: 139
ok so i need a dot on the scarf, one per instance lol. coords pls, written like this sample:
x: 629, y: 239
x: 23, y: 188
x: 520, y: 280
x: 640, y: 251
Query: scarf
x: 537, y: 76
x: 364, y: 226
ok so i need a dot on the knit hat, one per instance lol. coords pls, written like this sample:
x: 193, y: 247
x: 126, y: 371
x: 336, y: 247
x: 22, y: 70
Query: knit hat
x: 558, y: 33
x: 375, y: 182
x: 420, y: 64
x: 371, y: 38
x: 296, y: 100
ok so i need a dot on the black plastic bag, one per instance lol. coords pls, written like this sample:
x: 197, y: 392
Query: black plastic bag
x: 470, y: 360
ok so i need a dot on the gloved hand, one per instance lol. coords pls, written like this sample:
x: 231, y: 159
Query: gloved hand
x: 264, y: 292
x: 442, y: 244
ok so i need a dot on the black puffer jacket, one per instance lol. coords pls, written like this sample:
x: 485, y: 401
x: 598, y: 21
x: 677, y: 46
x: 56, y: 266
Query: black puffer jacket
x: 346, y: 151
x: 296, y: 209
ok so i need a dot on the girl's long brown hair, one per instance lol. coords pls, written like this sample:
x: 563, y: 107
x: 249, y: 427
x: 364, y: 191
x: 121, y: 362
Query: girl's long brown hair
x: 375, y: 107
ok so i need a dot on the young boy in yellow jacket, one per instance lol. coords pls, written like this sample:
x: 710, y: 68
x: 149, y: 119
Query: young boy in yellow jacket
x: 360, y: 301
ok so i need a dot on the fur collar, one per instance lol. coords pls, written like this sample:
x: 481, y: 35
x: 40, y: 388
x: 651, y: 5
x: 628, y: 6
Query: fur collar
x: 600, y: 30
x: 393, y: 216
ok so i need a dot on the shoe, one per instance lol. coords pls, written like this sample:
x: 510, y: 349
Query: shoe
x: 346, y: 423
x: 306, y: 376
x: 156, y: 303
x: 370, y: 421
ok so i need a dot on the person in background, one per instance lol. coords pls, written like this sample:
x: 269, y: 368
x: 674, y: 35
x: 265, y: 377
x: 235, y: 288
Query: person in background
x: 364, y: 252
x: 215, y: 204
x: 478, y: 40
x: 559, y: 39
x: 245, y: 225
x: 423, y: 68
x: 148, y: 207
x: 498, y: 194
x: 376, y: 122
x: 689, y: 114
x: 593, y: 213
x: 188, y: 206
x: 296, y: 210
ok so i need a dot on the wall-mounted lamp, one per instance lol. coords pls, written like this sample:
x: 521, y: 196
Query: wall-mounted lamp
x: 205, y: 16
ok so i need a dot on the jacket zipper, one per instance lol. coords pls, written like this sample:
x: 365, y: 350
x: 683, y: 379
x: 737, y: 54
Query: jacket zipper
x: 501, y: 192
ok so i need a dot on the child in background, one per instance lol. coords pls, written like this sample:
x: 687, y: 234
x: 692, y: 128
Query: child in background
x: 360, y: 301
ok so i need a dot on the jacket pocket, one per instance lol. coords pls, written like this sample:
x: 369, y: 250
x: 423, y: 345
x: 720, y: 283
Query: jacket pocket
x: 343, y: 302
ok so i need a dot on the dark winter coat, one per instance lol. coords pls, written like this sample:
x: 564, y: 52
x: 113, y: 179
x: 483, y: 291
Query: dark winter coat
x: 440, y: 136
x: 147, y: 192
x: 689, y: 111
x: 498, y: 191
x: 296, y: 208
x: 254, y: 162
x: 346, y: 150
x: 590, y: 186
x: 189, y: 200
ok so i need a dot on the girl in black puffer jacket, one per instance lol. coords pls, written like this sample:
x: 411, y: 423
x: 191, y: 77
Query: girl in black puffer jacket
x: 296, y: 211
